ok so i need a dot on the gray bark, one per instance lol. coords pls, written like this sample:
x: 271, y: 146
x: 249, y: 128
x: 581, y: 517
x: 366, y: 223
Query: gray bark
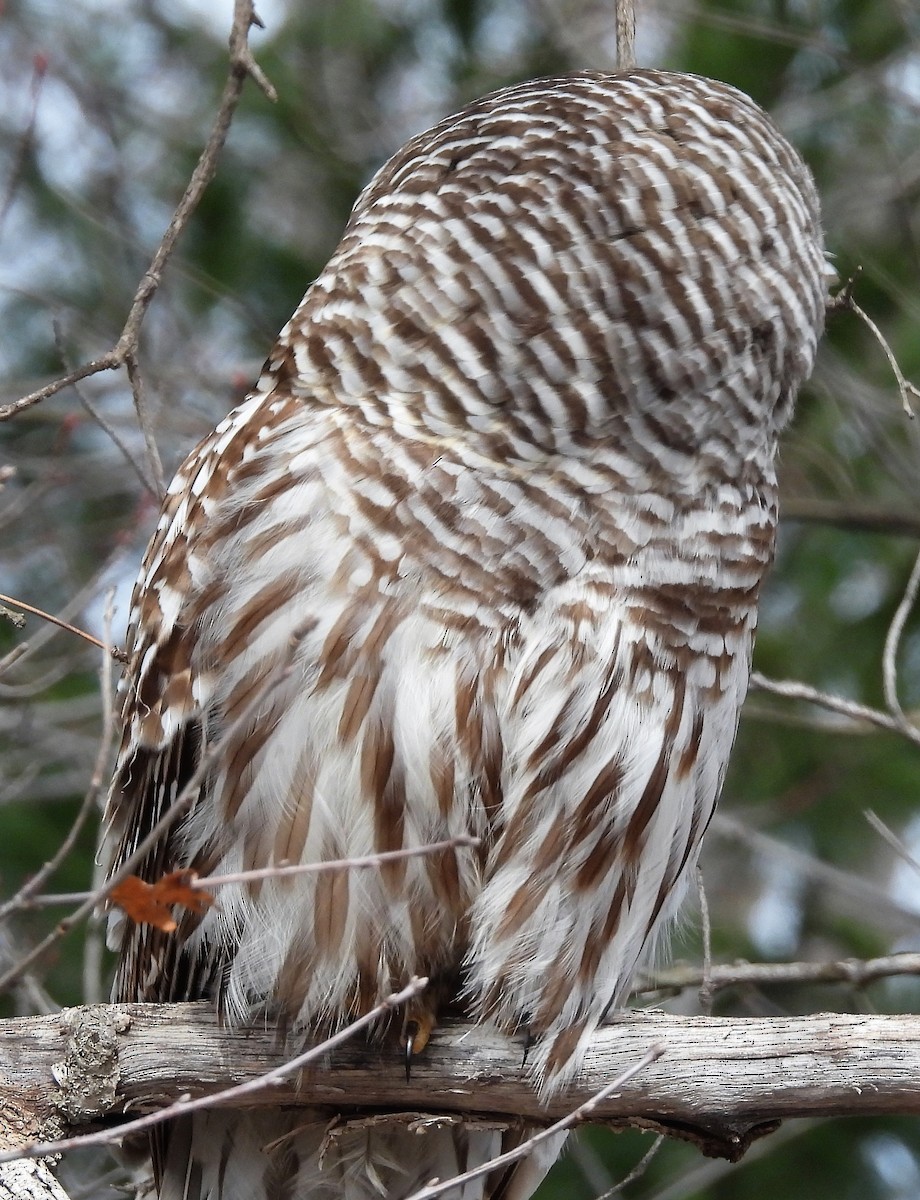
x: 720, y: 1083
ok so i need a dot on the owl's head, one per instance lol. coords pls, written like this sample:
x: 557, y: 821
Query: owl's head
x: 578, y: 264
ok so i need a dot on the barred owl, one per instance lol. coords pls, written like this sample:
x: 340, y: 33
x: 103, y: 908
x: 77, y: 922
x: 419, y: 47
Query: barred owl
x: 479, y: 555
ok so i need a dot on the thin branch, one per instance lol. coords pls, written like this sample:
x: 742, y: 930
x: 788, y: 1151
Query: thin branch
x: 638, y: 1170
x: 861, y: 895
x: 626, y: 34
x: 112, y: 433
x: 854, y: 971
x: 30, y: 995
x: 575, y: 1117
x: 242, y: 65
x: 113, y: 651
x: 591, y: 1166
x: 893, y: 642
x: 906, y: 390
x: 106, y: 362
x: 26, y: 691
x: 281, y: 870
x: 793, y: 689
x: 90, y: 590
x: 93, y: 941
x: 98, y: 417
x: 891, y: 839
x: 775, y: 32
x: 139, y: 394
x: 177, y: 809
x: 816, y: 722
x: 341, y: 864
x: 24, y: 896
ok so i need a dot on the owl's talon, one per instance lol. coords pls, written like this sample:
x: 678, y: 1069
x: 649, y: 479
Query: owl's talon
x: 529, y: 1040
x: 416, y: 1032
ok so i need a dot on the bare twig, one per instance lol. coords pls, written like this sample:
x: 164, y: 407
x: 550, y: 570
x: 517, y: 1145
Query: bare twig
x: 30, y: 995
x: 113, y: 651
x: 818, y: 722
x: 177, y: 809
x: 891, y: 839
x: 893, y: 642
x: 579, y: 1114
x: 593, y: 1170
x: 106, y: 362
x: 777, y: 33
x: 94, y: 587
x: 281, y: 870
x: 638, y: 1170
x: 33, y: 885
x: 100, y: 420
x: 372, y: 861
x: 242, y: 65
x: 792, y: 689
x: 860, y: 894
x: 906, y: 390
x: 854, y: 971
x: 139, y: 393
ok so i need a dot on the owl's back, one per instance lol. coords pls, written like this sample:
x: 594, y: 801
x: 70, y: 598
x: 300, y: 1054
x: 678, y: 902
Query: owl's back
x: 480, y: 556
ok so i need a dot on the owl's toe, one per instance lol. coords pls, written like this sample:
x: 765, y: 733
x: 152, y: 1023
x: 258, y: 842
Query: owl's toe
x: 416, y: 1031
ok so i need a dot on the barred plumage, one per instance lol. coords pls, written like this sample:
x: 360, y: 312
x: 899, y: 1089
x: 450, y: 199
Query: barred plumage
x: 501, y: 503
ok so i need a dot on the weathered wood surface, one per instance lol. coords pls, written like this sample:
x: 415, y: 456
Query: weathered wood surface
x: 721, y: 1081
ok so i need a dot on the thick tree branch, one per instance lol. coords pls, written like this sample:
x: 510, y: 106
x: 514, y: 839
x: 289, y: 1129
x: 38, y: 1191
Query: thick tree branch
x: 720, y: 1083
x: 29, y: 1179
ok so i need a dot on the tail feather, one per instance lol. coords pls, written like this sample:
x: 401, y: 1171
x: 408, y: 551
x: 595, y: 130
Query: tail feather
x: 288, y: 1155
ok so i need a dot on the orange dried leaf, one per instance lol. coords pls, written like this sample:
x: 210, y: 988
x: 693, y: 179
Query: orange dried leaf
x: 152, y: 903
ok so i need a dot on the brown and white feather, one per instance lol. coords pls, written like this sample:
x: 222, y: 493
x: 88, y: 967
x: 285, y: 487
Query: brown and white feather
x: 503, y: 500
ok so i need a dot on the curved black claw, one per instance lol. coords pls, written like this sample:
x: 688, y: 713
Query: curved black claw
x: 529, y: 1040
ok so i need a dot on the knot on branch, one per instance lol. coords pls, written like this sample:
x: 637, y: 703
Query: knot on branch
x: 89, y: 1073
